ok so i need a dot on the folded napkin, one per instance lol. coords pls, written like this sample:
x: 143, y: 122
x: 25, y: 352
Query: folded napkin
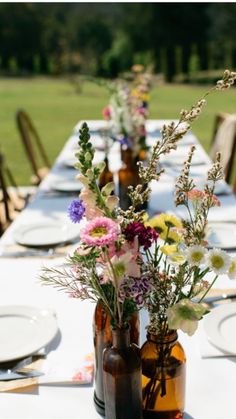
x: 71, y: 371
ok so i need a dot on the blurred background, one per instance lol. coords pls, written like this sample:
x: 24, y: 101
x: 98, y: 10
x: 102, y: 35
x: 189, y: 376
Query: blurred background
x: 53, y: 57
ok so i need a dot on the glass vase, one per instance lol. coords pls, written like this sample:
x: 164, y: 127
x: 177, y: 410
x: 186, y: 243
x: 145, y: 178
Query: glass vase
x: 122, y: 377
x: 163, y: 377
x: 102, y: 337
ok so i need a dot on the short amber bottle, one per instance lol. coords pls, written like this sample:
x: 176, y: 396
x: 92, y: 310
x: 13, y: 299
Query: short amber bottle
x: 163, y: 377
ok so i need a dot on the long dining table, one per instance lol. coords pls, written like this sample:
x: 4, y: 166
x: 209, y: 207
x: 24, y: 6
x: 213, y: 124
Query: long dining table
x: 211, y: 379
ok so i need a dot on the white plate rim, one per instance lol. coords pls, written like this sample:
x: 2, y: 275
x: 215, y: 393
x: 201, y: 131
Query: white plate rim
x: 211, y: 326
x: 45, y: 332
x: 224, y: 224
x: 77, y: 186
x: 71, y: 234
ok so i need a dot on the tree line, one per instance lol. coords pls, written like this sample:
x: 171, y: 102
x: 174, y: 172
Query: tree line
x: 183, y: 41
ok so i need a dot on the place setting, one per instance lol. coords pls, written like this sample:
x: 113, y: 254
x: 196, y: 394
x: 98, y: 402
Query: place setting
x: 31, y: 353
x: 41, y: 239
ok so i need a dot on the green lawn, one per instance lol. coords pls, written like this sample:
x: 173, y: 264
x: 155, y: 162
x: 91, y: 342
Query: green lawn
x: 55, y: 108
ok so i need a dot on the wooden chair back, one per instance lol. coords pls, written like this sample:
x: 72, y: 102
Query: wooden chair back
x: 5, y: 218
x: 11, y: 199
x: 224, y: 141
x: 33, y: 146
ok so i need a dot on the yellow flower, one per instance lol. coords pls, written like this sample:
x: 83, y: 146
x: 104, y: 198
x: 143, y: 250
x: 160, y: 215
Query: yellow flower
x: 170, y: 220
x: 177, y: 258
x: 157, y: 223
x: 170, y: 236
x: 168, y: 249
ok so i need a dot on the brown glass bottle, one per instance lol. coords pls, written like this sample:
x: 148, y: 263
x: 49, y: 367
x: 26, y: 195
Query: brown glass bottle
x: 128, y: 175
x: 102, y: 337
x: 163, y: 377
x: 122, y: 378
x: 106, y: 176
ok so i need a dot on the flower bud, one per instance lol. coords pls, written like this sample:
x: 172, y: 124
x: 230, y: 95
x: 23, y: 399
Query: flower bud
x: 108, y: 188
x: 112, y: 202
x: 83, y: 179
x: 90, y: 174
x: 88, y: 157
x: 100, y: 166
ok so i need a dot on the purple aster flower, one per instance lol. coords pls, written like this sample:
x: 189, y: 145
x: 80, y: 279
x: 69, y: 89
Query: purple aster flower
x: 76, y: 210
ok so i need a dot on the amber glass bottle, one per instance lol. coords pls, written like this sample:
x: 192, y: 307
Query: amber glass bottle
x: 102, y: 337
x: 122, y: 378
x: 163, y: 377
x: 128, y: 175
x: 106, y: 176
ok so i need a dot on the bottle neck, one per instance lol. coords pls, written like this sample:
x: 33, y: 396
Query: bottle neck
x: 121, y: 338
x: 170, y: 338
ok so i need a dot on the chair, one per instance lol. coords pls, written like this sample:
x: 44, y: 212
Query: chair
x: 224, y: 141
x: 33, y: 147
x: 11, y: 201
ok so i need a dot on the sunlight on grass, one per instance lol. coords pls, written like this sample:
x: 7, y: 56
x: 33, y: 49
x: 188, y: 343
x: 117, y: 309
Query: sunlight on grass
x: 55, y: 108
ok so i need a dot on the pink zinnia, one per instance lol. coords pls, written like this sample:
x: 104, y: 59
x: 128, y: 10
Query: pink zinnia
x: 100, y: 232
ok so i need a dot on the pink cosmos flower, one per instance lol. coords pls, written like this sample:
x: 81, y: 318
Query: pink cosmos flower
x: 100, y: 232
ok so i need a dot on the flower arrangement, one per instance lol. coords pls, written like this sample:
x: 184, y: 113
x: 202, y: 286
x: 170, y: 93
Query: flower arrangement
x: 128, y: 261
x: 127, y: 112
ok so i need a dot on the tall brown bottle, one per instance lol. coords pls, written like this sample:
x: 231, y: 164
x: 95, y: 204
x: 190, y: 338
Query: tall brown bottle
x: 122, y: 377
x: 102, y: 337
x: 106, y: 176
x: 128, y: 175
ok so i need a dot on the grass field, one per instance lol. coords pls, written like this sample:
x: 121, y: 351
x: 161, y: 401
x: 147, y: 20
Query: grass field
x: 55, y: 108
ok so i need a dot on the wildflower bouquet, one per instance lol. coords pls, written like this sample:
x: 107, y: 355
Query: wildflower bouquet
x: 128, y: 261
x: 127, y: 112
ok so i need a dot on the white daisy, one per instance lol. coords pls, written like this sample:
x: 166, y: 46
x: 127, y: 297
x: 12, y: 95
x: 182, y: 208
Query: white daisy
x: 232, y: 269
x: 195, y: 255
x: 218, y: 260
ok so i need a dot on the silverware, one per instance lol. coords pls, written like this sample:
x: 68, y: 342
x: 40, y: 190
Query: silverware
x: 19, y: 375
x: 222, y: 297
x: 16, y: 370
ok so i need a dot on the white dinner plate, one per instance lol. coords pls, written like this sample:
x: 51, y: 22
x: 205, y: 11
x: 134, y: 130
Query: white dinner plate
x: 71, y: 185
x: 179, y: 159
x: 220, y: 327
x: 25, y: 330
x: 48, y: 234
x: 222, y: 234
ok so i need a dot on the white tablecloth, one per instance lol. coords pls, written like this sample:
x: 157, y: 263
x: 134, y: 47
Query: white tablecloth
x: 210, y: 382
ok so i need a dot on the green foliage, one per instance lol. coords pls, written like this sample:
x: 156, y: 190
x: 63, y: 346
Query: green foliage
x: 106, y: 39
x: 36, y: 64
x: 143, y: 57
x: 164, y: 62
x: 194, y: 62
x: 13, y: 66
x: 178, y: 60
x: 119, y: 57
